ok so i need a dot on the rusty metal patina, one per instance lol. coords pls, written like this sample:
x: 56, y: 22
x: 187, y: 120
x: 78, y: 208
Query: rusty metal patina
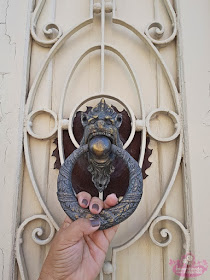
x: 101, y: 126
x: 101, y: 143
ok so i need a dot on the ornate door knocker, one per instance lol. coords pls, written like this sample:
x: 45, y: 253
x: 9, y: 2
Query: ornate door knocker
x: 101, y: 143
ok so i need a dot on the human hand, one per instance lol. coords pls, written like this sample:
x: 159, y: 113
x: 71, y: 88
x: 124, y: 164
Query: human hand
x: 79, y: 249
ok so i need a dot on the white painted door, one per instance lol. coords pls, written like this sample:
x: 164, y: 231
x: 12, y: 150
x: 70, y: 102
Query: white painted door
x: 133, y: 52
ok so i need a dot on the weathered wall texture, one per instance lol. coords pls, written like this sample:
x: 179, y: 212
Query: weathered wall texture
x: 195, y: 22
x: 13, y: 63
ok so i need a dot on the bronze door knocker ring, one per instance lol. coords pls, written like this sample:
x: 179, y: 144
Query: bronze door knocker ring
x: 101, y: 143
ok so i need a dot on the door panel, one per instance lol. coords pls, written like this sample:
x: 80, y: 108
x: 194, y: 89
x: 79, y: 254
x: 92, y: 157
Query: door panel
x: 143, y: 74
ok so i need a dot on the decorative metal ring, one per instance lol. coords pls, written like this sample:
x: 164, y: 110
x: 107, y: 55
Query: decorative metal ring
x: 175, y: 119
x: 128, y: 109
x: 108, y: 217
x: 33, y: 115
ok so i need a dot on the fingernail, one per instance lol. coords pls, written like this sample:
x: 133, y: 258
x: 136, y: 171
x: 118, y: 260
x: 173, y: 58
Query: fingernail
x: 85, y: 202
x: 95, y: 206
x: 95, y: 223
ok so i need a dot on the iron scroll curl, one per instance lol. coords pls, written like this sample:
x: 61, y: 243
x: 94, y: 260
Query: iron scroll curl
x: 108, y: 217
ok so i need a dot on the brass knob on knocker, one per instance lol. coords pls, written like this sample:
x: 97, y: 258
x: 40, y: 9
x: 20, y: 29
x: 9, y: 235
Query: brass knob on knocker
x: 101, y: 143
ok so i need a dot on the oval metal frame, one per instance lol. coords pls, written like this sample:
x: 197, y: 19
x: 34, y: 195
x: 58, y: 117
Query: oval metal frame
x: 108, y: 217
x: 139, y: 93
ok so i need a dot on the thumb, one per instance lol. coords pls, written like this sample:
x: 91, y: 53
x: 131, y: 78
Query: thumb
x: 78, y: 229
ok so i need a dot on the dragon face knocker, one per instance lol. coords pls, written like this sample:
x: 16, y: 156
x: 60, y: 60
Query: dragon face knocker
x: 101, y: 126
x: 101, y: 143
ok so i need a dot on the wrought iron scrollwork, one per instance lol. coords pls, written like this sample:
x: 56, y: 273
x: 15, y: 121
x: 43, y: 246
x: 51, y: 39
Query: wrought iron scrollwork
x: 48, y: 29
x: 160, y: 30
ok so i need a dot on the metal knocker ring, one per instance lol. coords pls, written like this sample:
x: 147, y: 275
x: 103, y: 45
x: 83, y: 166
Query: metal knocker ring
x: 102, y: 143
x: 108, y: 217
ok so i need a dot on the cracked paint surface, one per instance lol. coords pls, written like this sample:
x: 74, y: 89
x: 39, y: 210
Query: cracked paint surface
x: 7, y: 47
x: 7, y: 112
x: 14, y: 40
x: 4, y: 4
x: 7, y: 51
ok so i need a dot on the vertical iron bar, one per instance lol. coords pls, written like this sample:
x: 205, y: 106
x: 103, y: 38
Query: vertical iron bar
x: 102, y: 43
x: 102, y: 60
x: 91, y: 8
x: 114, y: 8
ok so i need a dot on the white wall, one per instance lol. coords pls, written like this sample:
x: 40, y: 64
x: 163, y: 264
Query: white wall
x: 195, y: 22
x: 13, y: 57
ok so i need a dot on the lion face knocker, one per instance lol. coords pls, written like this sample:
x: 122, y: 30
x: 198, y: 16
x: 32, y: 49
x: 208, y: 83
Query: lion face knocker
x: 101, y: 143
x: 101, y: 126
